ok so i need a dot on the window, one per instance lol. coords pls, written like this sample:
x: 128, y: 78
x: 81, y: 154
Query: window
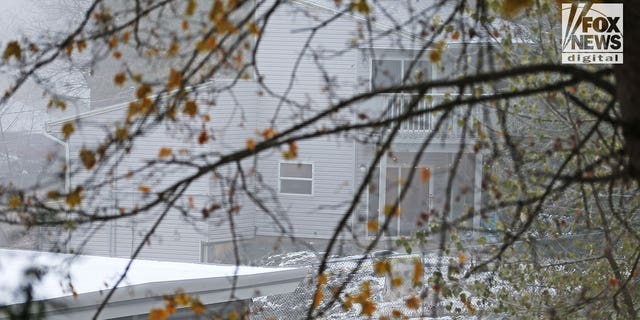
x: 296, y: 178
x: 389, y: 72
x: 386, y: 73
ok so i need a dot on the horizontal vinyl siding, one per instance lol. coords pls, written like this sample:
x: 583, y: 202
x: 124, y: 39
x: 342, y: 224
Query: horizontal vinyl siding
x: 314, y: 215
x: 178, y: 237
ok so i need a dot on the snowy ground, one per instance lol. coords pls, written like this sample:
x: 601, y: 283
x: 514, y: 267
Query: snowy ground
x: 295, y: 305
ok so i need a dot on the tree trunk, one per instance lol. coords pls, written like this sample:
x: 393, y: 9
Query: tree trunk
x: 628, y: 85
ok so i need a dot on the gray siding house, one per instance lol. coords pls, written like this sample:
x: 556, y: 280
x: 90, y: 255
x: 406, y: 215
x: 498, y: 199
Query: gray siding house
x: 313, y: 191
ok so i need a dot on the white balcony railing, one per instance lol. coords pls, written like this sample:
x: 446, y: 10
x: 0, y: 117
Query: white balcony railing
x: 424, y: 123
x: 398, y: 104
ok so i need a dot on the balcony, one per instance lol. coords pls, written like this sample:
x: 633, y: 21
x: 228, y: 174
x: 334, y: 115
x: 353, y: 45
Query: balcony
x: 395, y: 105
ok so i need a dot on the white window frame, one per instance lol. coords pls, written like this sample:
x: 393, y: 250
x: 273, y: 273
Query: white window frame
x: 401, y: 95
x: 431, y: 75
x: 313, y: 174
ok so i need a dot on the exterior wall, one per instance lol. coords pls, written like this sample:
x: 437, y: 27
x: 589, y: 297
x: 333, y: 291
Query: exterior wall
x: 236, y: 118
x: 178, y: 237
x: 316, y: 215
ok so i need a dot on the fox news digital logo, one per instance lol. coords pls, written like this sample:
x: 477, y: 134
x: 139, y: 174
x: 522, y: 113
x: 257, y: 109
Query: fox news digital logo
x: 592, y: 33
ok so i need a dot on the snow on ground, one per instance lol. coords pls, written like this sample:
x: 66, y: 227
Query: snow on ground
x: 296, y: 304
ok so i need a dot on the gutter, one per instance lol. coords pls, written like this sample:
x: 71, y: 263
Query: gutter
x: 139, y: 299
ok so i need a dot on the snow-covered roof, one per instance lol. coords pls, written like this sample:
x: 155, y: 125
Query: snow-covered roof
x: 91, y: 277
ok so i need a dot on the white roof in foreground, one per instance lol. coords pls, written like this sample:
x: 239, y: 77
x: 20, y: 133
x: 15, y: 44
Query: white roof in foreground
x: 91, y: 277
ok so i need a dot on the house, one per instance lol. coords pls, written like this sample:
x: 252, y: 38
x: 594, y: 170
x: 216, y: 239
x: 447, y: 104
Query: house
x: 307, y: 196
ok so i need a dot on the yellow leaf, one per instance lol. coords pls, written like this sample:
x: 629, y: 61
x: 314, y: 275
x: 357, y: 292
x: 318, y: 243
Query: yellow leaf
x: 396, y: 282
x: 322, y: 279
x: 116, y: 55
x: 412, y: 303
x: 461, y: 258
x: 191, y: 8
x: 292, y: 153
x: 253, y: 29
x: 113, y: 42
x: 365, y: 291
x: 190, y: 108
x: 182, y: 299
x: 12, y: 50
x: 67, y: 130
x: 233, y: 315
x: 164, y: 153
x: 382, y: 267
x: 418, y: 271
x: 170, y: 307
x: 197, y: 307
x: 122, y: 134
x: 396, y: 313
x: 360, y: 6
x: 53, y: 194
x: 69, y: 47
x: 217, y: 11
x: 368, y: 308
x: 511, y: 8
x: 207, y: 44
x: 347, y: 303
x: 425, y: 174
x: 144, y: 189
x: 125, y: 37
x: 101, y: 150
x: 158, y: 314
x: 134, y: 109
x: 206, y: 118
x: 81, y: 45
x: 88, y: 158
x: 251, y: 144
x: 317, y: 298
x: 435, y: 55
x: 175, y: 79
x: 372, y: 225
x: 173, y: 50
x: 61, y: 104
x: 74, y: 198
x: 146, y: 106
x: 388, y: 208
x: 119, y: 78
x: 14, y: 202
x: 143, y: 91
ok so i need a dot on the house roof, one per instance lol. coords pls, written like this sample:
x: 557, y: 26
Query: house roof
x: 91, y: 277
x: 407, y: 17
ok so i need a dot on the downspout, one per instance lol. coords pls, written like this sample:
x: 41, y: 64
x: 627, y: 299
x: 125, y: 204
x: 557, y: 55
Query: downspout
x: 67, y: 178
x: 67, y: 169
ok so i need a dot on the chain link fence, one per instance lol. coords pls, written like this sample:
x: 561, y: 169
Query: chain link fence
x: 389, y: 299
